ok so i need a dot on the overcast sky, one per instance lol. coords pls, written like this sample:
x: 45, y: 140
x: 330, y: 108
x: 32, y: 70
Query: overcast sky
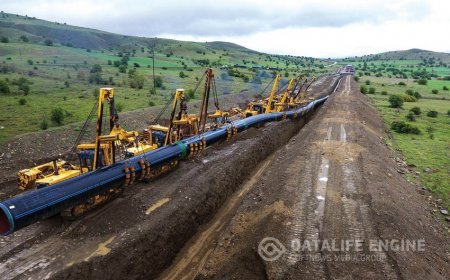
x: 319, y: 28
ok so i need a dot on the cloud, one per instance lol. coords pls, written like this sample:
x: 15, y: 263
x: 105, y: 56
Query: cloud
x: 319, y: 28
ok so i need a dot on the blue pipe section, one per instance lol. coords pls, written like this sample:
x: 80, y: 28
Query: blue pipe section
x: 32, y: 206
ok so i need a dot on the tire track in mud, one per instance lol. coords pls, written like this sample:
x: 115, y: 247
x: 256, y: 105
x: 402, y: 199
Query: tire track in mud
x: 357, y: 218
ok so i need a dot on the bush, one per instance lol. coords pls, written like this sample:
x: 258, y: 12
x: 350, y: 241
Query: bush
x: 4, y: 87
x: 24, y: 38
x: 158, y: 82
x: 48, y: 42
x: 356, y: 78
x: 44, y: 124
x: 432, y: 114
x: 363, y: 89
x: 119, y: 107
x: 384, y: 92
x: 402, y: 84
x: 4, y: 39
x: 434, y: 91
x: 372, y: 90
x: 402, y: 127
x: 367, y: 82
x: 422, y: 81
x: 409, y: 98
x: 416, y: 110
x: 22, y: 101
x: 57, y: 115
x: 151, y: 103
x: 448, y: 112
x: 182, y: 75
x: 411, y: 117
x: 396, y: 101
x: 445, y: 88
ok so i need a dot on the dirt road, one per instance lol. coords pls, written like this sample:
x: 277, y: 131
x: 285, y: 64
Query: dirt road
x: 335, y: 181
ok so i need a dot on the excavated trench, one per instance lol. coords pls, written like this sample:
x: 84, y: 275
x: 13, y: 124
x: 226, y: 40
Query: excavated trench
x: 155, y: 242
x: 139, y: 235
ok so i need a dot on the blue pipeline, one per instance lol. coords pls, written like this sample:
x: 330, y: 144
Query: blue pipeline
x: 32, y: 206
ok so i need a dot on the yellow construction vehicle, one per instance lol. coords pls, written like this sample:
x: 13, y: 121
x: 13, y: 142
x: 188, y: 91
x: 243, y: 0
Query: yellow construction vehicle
x: 299, y: 98
x: 263, y: 106
x: 90, y: 156
x: 283, y: 100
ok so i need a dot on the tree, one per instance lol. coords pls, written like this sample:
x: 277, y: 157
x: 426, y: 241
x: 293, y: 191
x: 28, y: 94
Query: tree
x: 371, y: 90
x: 182, y: 75
x: 136, y: 81
x: 24, y: 38
x: 95, y: 75
x: 396, y: 101
x: 57, y: 115
x: 4, y: 87
x: 4, y: 39
x: 434, y: 91
x: 22, y: 101
x: 422, y: 81
x: 158, y: 82
x: 416, y: 110
x: 432, y: 114
x: 363, y: 89
x: 48, y: 42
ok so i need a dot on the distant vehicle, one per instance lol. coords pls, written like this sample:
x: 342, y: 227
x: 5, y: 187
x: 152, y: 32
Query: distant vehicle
x: 348, y: 69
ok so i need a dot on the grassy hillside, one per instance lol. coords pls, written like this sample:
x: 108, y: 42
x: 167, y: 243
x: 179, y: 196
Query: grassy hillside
x: 425, y: 75
x: 46, y: 65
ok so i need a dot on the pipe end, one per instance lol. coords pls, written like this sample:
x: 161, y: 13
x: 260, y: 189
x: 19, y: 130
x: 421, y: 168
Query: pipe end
x: 6, y: 221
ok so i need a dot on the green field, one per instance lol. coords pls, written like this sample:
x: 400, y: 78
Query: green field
x: 429, y: 152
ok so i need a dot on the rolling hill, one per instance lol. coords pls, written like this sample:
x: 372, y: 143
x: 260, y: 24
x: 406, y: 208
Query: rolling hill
x: 49, y: 65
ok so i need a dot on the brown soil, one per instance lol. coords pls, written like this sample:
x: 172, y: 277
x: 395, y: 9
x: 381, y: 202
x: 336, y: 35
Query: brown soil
x: 140, y: 233
x: 335, y: 179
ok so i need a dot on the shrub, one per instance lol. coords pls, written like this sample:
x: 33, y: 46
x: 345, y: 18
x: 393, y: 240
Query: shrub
x: 151, y: 103
x: 182, y: 75
x: 402, y: 127
x: 22, y: 101
x: 445, y: 88
x: 44, y: 124
x: 356, y: 78
x: 372, y: 90
x: 396, y: 101
x: 409, y: 98
x: 422, y: 81
x: 434, y: 91
x: 4, y: 87
x: 4, y: 39
x: 384, y: 92
x: 363, y: 89
x: 48, y: 42
x: 57, y: 115
x: 402, y: 84
x: 367, y: 82
x: 448, y: 112
x: 416, y: 110
x: 411, y: 117
x: 119, y: 107
x: 24, y: 38
x: 432, y: 114
x: 158, y: 82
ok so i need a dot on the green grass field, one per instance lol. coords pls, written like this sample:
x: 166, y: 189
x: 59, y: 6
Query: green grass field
x: 428, y: 152
x: 58, y: 75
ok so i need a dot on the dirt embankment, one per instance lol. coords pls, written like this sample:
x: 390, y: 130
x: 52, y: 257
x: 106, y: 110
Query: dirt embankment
x: 335, y: 180
x: 139, y: 234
